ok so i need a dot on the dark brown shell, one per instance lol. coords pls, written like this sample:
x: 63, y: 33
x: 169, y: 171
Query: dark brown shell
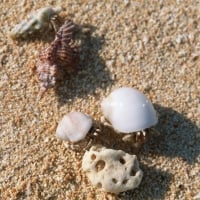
x: 60, y: 53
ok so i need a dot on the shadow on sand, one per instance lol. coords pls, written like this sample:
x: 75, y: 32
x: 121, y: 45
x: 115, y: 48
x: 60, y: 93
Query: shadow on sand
x: 154, y: 185
x: 91, y: 73
x: 178, y: 138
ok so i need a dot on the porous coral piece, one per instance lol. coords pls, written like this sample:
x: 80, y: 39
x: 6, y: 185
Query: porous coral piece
x: 111, y: 170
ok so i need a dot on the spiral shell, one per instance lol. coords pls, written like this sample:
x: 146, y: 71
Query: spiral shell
x: 61, y: 53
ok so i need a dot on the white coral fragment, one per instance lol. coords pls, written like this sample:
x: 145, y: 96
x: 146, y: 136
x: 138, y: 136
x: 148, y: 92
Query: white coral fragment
x: 38, y: 21
x: 111, y: 170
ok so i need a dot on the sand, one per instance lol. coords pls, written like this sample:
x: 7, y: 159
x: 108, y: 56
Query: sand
x: 153, y: 46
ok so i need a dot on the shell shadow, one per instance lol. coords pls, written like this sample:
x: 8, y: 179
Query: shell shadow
x: 154, y: 185
x: 178, y: 136
x: 91, y: 73
x: 108, y: 138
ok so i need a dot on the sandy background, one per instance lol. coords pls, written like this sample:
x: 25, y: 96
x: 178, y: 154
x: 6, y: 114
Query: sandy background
x: 153, y: 46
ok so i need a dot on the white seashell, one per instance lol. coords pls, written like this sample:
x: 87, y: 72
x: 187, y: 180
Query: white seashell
x: 128, y: 110
x: 36, y: 22
x: 74, y: 127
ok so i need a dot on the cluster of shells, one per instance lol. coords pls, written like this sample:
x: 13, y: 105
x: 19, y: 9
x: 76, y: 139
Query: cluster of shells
x: 129, y: 113
x: 126, y: 110
x: 62, y: 53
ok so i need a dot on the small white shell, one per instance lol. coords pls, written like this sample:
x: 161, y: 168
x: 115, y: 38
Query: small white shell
x: 128, y: 110
x: 74, y: 127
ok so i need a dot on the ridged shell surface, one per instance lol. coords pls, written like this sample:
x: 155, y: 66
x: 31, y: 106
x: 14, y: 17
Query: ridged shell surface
x: 59, y: 55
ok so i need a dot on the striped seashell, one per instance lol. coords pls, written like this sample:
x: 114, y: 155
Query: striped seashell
x: 61, y: 53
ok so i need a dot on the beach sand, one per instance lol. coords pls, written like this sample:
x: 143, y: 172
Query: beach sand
x: 153, y: 46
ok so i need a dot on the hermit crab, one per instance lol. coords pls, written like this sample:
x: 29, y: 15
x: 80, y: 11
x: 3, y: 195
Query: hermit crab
x: 74, y: 127
x: 62, y: 53
x: 130, y: 113
x: 37, y: 22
